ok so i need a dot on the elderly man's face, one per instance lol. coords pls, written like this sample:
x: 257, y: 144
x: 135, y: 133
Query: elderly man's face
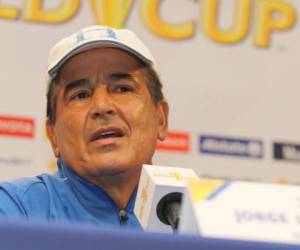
x: 106, y: 122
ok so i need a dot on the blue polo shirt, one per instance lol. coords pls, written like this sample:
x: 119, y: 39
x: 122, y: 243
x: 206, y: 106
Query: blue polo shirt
x: 64, y: 197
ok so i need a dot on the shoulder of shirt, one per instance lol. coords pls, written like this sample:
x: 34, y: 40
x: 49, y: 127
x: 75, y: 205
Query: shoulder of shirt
x: 27, y: 196
x: 25, y: 185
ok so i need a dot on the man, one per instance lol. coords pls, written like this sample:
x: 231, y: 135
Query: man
x: 105, y: 112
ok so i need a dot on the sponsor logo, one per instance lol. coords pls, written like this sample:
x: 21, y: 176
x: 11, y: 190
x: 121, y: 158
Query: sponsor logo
x: 17, y: 126
x: 175, y: 141
x: 177, y: 176
x: 144, y: 199
x: 231, y: 146
x: 286, y: 151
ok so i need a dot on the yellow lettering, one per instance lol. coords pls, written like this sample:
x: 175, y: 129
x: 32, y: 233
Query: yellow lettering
x: 111, y: 12
x: 236, y: 32
x: 33, y: 11
x: 149, y: 12
x: 271, y: 15
x: 8, y: 12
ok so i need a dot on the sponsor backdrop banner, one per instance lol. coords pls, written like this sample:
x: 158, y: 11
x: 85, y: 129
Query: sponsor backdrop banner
x: 229, y: 69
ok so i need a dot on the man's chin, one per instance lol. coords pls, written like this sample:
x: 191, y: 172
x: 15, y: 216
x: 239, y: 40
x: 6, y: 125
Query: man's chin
x: 110, y: 172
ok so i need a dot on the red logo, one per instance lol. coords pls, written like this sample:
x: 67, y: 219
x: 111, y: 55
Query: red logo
x: 175, y: 141
x: 16, y: 126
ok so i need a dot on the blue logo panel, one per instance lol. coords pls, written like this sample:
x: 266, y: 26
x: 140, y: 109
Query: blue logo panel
x: 286, y: 151
x: 219, y: 145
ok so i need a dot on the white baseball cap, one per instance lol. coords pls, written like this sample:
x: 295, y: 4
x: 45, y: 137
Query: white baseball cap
x: 94, y: 37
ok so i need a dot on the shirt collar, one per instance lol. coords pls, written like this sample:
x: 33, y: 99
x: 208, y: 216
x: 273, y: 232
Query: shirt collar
x: 88, y: 192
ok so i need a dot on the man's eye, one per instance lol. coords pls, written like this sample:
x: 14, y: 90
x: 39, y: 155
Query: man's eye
x: 123, y: 89
x: 80, y: 95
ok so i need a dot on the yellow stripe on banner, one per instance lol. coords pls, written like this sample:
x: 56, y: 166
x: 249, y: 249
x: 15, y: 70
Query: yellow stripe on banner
x: 202, y: 188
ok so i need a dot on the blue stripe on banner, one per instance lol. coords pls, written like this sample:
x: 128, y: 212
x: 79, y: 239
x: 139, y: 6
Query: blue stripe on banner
x: 219, y: 190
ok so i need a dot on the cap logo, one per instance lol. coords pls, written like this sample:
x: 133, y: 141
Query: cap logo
x: 106, y: 32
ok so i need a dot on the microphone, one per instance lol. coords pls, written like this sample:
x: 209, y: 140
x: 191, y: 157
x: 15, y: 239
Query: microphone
x: 168, y: 209
x: 123, y: 216
x: 159, y: 196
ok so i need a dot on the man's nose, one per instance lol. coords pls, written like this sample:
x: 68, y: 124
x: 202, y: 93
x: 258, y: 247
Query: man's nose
x: 102, y: 105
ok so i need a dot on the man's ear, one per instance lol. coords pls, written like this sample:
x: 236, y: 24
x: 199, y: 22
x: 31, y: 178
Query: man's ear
x: 163, y: 114
x: 52, y: 137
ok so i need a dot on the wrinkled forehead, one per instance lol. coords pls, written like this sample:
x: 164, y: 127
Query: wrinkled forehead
x: 103, y: 60
x: 102, y: 65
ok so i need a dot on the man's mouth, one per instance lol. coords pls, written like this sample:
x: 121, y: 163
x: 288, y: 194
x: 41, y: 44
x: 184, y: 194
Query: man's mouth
x: 107, y: 133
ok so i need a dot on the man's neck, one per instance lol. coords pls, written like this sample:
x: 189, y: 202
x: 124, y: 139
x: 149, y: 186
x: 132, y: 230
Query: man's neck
x: 120, y: 186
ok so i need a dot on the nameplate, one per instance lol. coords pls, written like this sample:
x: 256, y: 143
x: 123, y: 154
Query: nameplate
x: 241, y: 210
